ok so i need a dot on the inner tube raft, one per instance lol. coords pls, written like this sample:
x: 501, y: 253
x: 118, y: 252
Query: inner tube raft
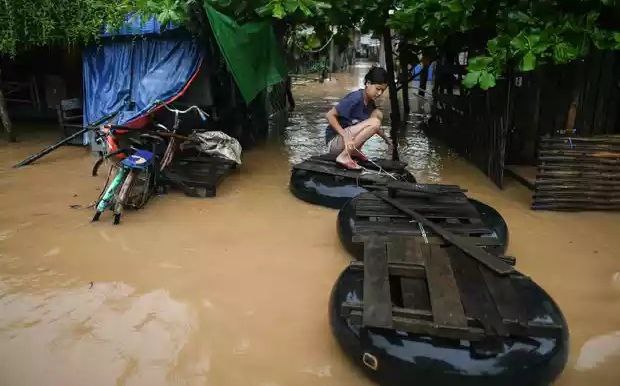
x: 495, y: 236
x: 320, y: 180
x: 404, y: 359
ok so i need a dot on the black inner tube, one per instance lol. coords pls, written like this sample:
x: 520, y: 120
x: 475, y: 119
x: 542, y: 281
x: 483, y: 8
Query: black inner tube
x: 330, y: 190
x: 489, y: 216
x: 409, y: 359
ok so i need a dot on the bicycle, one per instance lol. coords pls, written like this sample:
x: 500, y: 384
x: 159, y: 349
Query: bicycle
x: 173, y: 141
x: 136, y: 167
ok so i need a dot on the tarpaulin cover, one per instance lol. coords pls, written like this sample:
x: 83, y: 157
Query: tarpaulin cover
x: 251, y: 52
x: 124, y: 79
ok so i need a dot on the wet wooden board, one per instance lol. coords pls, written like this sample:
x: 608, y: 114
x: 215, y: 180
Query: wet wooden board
x: 470, y: 249
x: 405, y: 250
x: 576, y: 196
x: 377, y: 298
x: 197, y: 176
x: 400, y: 270
x: 454, y: 210
x: 436, y: 240
x: 583, y: 167
x: 577, y: 153
x: 407, y: 228
x: 570, y: 180
x: 423, y: 189
x: 505, y: 297
x: 578, y: 173
x: 610, y: 138
x: 448, y: 197
x: 477, y: 304
x: 577, y: 200
x: 572, y: 187
x: 417, y: 321
x: 444, y: 293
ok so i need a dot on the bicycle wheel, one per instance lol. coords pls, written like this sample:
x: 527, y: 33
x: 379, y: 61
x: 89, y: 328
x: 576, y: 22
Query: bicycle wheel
x: 121, y: 198
x: 107, y: 197
x: 142, y: 189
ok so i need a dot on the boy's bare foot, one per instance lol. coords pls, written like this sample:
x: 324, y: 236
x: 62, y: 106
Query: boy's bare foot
x: 346, y: 161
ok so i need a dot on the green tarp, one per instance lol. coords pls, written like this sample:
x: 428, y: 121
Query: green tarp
x: 251, y: 52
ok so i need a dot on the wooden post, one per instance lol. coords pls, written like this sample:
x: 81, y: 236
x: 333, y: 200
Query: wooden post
x: 395, y: 113
x: 4, y: 116
x: 404, y: 75
x: 332, y: 54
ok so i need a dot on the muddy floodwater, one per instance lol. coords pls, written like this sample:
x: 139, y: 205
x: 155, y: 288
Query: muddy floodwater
x: 234, y: 290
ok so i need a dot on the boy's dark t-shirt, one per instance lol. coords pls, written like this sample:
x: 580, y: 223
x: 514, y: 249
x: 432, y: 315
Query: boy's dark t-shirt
x: 351, y: 110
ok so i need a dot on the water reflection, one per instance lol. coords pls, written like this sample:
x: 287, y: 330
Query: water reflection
x: 102, y: 334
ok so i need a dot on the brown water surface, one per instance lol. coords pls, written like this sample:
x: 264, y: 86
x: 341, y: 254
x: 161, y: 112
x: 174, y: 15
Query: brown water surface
x: 234, y: 290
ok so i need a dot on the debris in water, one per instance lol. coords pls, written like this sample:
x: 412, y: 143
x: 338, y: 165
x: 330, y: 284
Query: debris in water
x: 75, y: 206
x: 598, y: 350
x: 242, y: 347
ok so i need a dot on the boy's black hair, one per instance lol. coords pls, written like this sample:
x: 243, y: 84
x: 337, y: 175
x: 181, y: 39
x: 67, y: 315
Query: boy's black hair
x: 376, y: 75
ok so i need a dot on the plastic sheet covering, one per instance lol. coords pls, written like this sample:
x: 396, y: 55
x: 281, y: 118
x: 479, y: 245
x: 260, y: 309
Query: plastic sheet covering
x: 125, y: 79
x: 215, y: 143
x: 251, y: 52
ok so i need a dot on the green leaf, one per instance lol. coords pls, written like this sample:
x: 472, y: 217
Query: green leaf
x: 564, y: 52
x: 479, y: 63
x: 520, y: 17
x: 278, y: 11
x: 519, y: 42
x: 264, y: 11
x: 455, y: 6
x: 528, y: 63
x: 617, y: 37
x: 291, y: 5
x: 471, y: 79
x: 306, y: 11
x: 487, y: 80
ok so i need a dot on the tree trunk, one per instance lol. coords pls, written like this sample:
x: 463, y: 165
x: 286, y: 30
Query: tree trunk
x: 332, y: 55
x: 4, y: 116
x: 404, y: 75
x: 389, y: 64
x: 382, y: 53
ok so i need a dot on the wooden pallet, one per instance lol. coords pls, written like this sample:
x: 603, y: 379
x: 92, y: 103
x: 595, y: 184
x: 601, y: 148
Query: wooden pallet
x: 445, y: 205
x: 439, y: 291
x: 578, y: 174
x: 326, y: 164
x: 198, y: 176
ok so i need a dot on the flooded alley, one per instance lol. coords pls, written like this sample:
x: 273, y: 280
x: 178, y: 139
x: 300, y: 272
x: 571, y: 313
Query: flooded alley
x: 234, y: 290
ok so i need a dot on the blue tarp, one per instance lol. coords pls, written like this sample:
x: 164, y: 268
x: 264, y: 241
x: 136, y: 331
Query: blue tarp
x: 124, y: 79
x: 129, y: 78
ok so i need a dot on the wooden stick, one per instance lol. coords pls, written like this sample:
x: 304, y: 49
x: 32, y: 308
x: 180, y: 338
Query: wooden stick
x: 490, y: 261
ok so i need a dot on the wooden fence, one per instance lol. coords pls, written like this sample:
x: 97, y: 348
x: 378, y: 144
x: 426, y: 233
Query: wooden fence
x: 504, y: 125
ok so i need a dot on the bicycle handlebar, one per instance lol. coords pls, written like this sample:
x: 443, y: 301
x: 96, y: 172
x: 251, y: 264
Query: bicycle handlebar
x: 202, y: 114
